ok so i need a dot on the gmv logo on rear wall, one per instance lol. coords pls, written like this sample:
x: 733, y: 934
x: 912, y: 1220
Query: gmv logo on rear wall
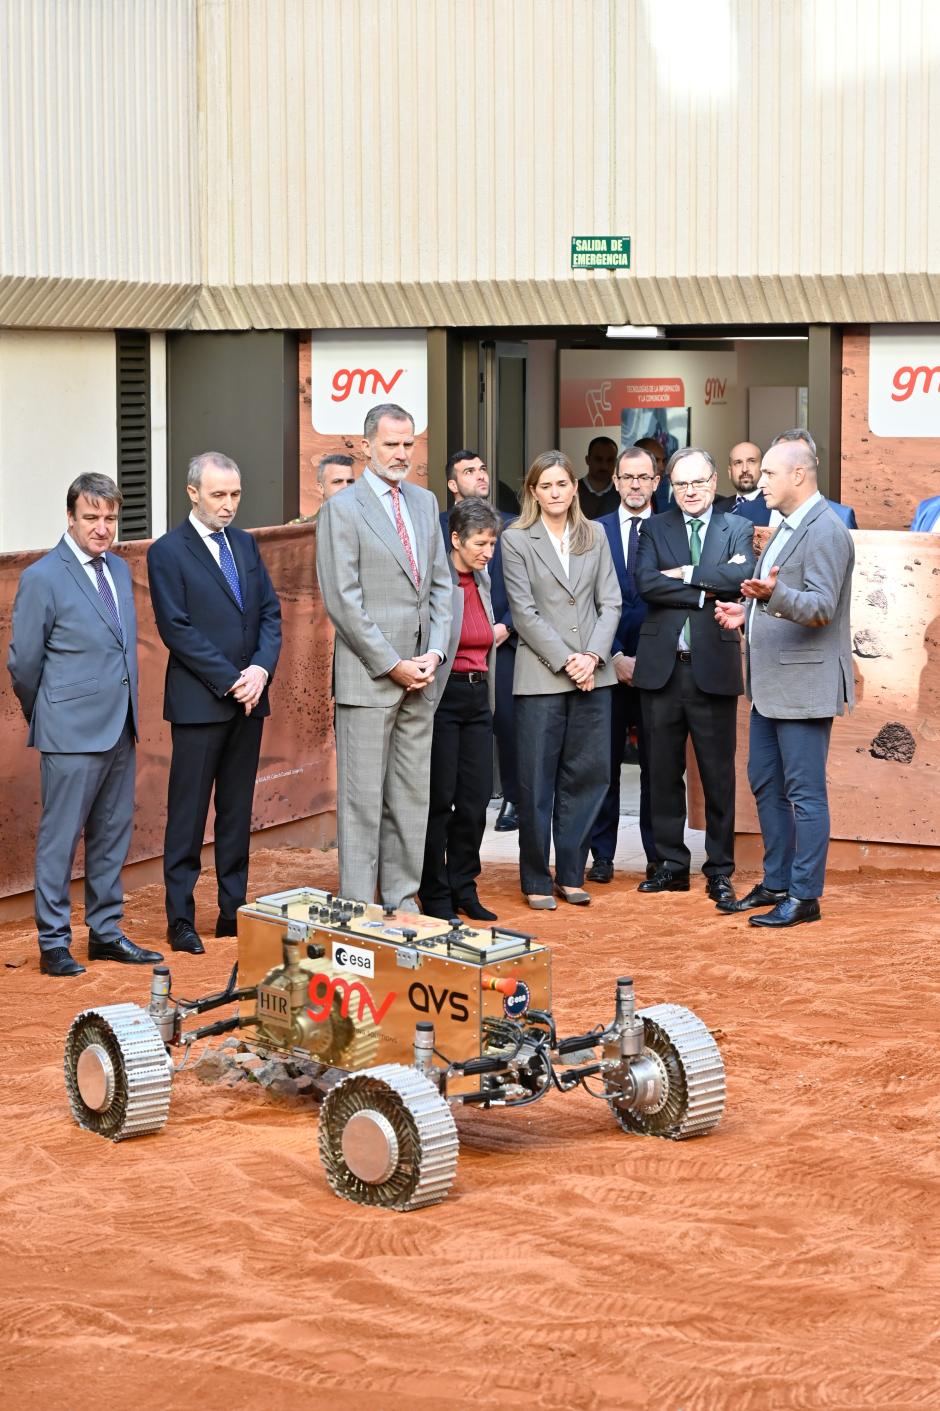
x: 351, y: 372
x: 904, y: 381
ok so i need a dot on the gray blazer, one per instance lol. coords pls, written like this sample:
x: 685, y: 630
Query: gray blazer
x: 73, y: 675
x: 379, y: 615
x: 555, y: 615
x: 799, y: 657
x: 436, y: 691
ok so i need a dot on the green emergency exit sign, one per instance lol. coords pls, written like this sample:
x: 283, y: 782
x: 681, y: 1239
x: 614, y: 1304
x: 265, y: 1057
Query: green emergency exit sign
x: 600, y: 252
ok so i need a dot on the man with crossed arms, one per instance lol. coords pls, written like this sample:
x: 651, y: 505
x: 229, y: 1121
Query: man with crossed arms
x: 387, y: 590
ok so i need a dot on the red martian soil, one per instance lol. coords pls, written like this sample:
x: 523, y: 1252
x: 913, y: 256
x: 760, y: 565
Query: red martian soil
x: 788, y: 1260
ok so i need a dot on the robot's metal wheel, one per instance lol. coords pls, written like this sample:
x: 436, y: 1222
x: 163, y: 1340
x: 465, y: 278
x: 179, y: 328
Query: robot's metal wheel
x: 117, y: 1072
x: 685, y: 1078
x: 388, y: 1138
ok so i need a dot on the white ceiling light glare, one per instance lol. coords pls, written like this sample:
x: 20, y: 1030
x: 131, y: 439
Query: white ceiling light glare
x: 695, y: 48
x: 635, y: 330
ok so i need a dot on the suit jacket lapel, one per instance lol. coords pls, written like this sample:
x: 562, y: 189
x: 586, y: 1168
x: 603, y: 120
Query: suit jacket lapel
x: 798, y: 533
x: 84, y: 584
x: 378, y: 520
x: 615, y: 540
x: 547, y: 553
x: 716, y: 537
x: 201, y: 552
x: 677, y: 537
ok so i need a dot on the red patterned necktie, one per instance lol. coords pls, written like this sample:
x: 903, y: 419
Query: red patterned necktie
x: 403, y: 534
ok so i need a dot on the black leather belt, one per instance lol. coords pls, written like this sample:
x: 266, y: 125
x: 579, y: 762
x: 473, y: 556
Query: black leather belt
x: 472, y: 676
x: 683, y: 656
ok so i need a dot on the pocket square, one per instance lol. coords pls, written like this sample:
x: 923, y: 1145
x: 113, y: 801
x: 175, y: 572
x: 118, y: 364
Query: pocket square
x: 738, y: 558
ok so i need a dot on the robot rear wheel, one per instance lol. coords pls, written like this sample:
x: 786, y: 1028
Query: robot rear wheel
x: 678, y: 1088
x: 388, y: 1138
x: 117, y: 1072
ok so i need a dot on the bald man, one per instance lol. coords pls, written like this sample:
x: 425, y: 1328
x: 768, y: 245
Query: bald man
x: 744, y: 462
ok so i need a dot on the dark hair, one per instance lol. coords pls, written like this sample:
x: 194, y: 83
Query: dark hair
x: 633, y: 453
x: 680, y: 455
x: 94, y: 487
x: 596, y: 440
x: 456, y: 457
x: 336, y: 459
x: 375, y: 414
x: 473, y: 516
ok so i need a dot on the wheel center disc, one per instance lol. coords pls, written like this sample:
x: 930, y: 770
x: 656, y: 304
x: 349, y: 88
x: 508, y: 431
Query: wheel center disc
x: 94, y: 1075
x: 370, y: 1146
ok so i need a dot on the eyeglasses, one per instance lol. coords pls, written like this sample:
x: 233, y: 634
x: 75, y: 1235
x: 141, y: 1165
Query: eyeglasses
x: 640, y: 479
x: 684, y: 486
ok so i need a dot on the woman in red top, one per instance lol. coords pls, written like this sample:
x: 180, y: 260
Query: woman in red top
x: 462, y: 744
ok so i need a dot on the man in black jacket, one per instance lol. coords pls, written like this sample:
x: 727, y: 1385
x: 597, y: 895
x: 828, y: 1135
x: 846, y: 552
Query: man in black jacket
x: 218, y: 613
x: 688, y: 669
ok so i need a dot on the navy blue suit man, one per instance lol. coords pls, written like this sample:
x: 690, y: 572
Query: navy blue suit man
x: 219, y: 616
x: 753, y: 506
x: 636, y: 480
x: 468, y: 478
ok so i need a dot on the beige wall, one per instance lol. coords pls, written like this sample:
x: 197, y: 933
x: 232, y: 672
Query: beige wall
x: 393, y: 163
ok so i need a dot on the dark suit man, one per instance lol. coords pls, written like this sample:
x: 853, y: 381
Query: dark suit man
x: 635, y: 479
x: 799, y: 675
x: 219, y: 616
x: 73, y: 661
x: 744, y: 460
x: 469, y: 478
x: 757, y: 509
x: 597, y: 493
x: 387, y: 589
x: 688, y: 669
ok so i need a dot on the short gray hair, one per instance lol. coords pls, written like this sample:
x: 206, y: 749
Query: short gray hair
x: 473, y: 516
x: 678, y: 456
x: 334, y: 459
x: 375, y: 414
x: 206, y: 458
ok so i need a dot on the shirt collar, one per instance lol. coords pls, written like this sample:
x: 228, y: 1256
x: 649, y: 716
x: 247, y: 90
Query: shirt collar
x: 702, y: 518
x: 380, y: 486
x: 202, y: 529
x: 80, y: 554
x: 626, y: 514
x: 796, y: 517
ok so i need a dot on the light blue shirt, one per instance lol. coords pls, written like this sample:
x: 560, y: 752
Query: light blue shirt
x: 85, y: 561
x: 384, y: 493
x: 785, y: 531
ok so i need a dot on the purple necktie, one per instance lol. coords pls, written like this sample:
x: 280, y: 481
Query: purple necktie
x: 104, y: 592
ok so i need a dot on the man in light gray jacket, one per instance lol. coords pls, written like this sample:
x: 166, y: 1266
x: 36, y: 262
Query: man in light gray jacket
x: 799, y: 676
x: 73, y: 661
x: 387, y: 590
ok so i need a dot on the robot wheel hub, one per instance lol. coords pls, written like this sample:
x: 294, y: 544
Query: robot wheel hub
x: 94, y: 1077
x: 370, y: 1146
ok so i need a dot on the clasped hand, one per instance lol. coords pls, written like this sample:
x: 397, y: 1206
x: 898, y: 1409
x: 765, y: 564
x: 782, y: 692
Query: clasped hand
x: 249, y: 686
x: 580, y: 667
x: 414, y: 673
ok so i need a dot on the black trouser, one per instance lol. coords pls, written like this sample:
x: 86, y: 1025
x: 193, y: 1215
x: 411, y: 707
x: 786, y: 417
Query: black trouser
x: 563, y: 743
x: 222, y: 755
x: 504, y: 723
x: 625, y: 710
x: 461, y: 784
x: 670, y: 715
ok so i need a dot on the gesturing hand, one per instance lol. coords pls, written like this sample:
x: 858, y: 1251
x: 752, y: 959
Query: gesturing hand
x: 760, y: 588
x: 730, y: 614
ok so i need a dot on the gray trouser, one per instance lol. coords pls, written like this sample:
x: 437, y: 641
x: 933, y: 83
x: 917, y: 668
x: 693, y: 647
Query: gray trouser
x: 383, y: 756
x: 94, y: 793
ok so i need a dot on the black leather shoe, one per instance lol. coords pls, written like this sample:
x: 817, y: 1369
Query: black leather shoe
x: 789, y: 912
x: 123, y: 950
x: 508, y: 820
x: 226, y: 925
x: 601, y: 870
x: 757, y: 896
x: 59, y: 961
x: 475, y: 909
x: 652, y: 868
x: 182, y: 936
x: 663, y: 880
x: 720, y: 889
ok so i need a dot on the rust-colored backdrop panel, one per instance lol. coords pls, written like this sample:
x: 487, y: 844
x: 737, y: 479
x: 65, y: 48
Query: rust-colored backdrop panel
x: 884, y: 478
x: 297, y: 775
x: 314, y: 446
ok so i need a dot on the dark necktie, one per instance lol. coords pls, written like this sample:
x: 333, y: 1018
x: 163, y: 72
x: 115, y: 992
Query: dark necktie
x: 227, y: 565
x: 695, y: 552
x: 403, y: 534
x: 632, y: 543
x: 739, y: 500
x: 105, y: 594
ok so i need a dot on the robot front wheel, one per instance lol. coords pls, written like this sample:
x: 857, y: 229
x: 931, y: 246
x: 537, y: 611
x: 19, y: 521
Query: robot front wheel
x: 677, y: 1089
x: 117, y: 1072
x: 388, y: 1138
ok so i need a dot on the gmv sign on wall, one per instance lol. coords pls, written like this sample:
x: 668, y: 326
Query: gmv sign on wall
x: 904, y: 380
x: 351, y: 372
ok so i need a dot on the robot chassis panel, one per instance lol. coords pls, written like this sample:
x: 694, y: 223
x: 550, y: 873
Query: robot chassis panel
x: 420, y: 1016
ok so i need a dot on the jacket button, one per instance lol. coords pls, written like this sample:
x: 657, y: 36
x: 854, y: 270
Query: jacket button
x: 124, y: 681
x: 571, y: 601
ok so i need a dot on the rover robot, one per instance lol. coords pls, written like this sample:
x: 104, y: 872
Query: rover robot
x: 410, y: 1017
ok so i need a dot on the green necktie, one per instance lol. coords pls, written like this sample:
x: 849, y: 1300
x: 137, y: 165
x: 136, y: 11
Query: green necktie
x: 695, y: 551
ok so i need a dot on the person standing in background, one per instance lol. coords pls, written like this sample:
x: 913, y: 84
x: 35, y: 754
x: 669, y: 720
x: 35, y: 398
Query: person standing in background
x: 597, y: 493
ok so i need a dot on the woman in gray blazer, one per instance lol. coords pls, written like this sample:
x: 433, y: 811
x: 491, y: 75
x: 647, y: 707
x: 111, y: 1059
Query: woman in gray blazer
x: 565, y: 602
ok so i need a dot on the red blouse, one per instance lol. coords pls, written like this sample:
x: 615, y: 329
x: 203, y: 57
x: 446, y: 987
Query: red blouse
x: 476, y: 631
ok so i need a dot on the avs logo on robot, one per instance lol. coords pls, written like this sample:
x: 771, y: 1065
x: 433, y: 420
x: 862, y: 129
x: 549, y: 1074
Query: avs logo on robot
x: 427, y: 999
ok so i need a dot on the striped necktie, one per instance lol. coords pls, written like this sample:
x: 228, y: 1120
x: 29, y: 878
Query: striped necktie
x: 105, y: 594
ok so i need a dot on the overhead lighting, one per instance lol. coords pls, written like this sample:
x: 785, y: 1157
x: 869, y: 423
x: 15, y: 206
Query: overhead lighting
x: 635, y: 330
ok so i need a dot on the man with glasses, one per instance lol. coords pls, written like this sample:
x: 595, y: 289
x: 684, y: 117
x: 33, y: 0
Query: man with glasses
x: 635, y: 480
x: 688, y: 668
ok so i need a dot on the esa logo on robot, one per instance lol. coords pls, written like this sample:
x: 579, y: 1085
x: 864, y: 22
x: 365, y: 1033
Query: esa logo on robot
x: 354, y: 958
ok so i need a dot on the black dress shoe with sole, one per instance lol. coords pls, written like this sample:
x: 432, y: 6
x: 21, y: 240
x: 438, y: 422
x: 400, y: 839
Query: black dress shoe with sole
x: 507, y: 820
x: 788, y: 913
x: 720, y: 889
x: 475, y: 909
x: 182, y: 936
x: 123, y: 950
x: 663, y: 880
x: 226, y: 925
x: 757, y: 896
x: 601, y: 870
x: 59, y: 961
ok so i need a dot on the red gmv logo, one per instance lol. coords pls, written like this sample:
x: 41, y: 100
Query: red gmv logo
x: 715, y: 389
x: 345, y: 380
x: 905, y: 381
x: 324, y: 988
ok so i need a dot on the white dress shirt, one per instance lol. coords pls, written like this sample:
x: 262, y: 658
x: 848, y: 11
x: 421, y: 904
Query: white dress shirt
x: 561, y: 546
x: 683, y: 644
x: 384, y: 492
x: 625, y: 516
x: 85, y: 561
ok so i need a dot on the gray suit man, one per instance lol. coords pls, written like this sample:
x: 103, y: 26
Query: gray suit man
x: 387, y: 589
x: 799, y: 675
x: 73, y: 661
